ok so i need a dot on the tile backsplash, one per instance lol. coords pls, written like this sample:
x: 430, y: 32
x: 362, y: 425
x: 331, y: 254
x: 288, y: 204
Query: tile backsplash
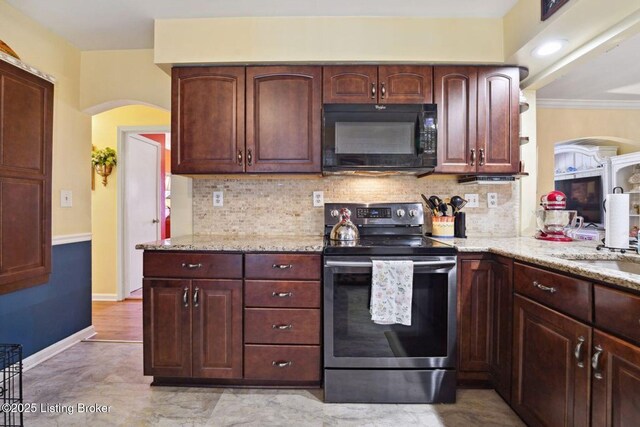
x: 276, y: 205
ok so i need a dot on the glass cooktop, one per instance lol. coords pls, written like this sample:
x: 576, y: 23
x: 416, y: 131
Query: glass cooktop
x: 388, y: 245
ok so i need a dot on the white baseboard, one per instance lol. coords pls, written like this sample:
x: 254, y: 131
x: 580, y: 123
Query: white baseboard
x: 104, y: 297
x: 70, y: 238
x: 53, y: 349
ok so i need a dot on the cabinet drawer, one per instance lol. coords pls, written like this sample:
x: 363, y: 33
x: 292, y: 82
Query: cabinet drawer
x: 282, y: 294
x: 282, y: 362
x: 566, y: 294
x: 282, y: 266
x: 281, y: 326
x: 617, y: 311
x: 192, y: 265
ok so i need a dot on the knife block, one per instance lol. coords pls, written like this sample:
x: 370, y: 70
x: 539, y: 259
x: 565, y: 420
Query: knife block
x: 460, y: 225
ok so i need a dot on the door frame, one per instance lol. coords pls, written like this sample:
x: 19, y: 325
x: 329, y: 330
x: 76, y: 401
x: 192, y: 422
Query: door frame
x: 123, y: 133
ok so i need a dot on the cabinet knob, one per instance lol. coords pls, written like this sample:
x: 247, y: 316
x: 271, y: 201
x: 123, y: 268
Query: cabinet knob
x: 383, y: 90
x: 185, y: 297
x: 473, y: 157
x: 240, y: 157
x: 542, y: 287
x: 282, y: 327
x: 282, y: 294
x: 195, y: 297
x: 191, y: 266
x: 282, y: 266
x: 481, y: 163
x: 281, y: 363
x: 595, y: 362
x: 249, y: 158
x: 577, y: 353
x: 373, y: 91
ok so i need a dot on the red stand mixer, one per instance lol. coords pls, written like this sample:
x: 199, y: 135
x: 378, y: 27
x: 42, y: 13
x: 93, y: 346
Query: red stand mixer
x: 554, y: 221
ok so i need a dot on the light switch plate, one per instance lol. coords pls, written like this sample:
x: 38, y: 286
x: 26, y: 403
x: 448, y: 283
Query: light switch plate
x: 492, y: 200
x: 472, y: 201
x: 218, y: 199
x: 66, y: 198
x: 318, y: 199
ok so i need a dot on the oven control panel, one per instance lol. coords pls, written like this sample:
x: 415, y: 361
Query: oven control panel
x: 377, y: 214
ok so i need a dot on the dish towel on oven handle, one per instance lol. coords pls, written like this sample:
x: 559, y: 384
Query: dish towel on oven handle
x: 391, y: 292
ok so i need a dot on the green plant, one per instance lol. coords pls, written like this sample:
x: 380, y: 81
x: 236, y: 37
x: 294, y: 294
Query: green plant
x: 105, y: 156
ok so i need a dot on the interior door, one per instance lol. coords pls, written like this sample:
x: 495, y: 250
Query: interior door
x: 142, y: 188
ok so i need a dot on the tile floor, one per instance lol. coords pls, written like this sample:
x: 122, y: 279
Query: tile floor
x: 111, y: 374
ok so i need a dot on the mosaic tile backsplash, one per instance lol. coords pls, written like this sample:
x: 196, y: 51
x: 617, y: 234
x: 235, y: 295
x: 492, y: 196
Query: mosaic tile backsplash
x: 283, y: 205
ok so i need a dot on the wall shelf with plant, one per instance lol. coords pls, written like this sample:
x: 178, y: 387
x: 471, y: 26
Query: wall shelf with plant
x: 103, y: 161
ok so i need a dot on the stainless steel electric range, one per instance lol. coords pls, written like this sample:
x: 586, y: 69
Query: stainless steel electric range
x: 369, y: 362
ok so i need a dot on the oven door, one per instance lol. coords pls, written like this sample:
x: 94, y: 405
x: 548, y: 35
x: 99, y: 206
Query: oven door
x: 352, y: 340
x: 379, y: 137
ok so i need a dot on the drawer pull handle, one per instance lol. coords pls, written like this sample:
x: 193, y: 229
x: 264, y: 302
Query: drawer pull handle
x: 595, y: 362
x: 195, y: 297
x: 578, y: 352
x: 282, y: 294
x: 185, y: 297
x: 542, y: 287
x: 282, y: 327
x: 282, y: 266
x: 281, y: 363
x: 191, y: 266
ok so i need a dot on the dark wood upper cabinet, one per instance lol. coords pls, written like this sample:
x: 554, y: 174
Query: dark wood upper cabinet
x: 284, y: 105
x: 456, y: 97
x: 405, y: 84
x: 207, y: 120
x: 350, y: 84
x: 217, y: 328
x: 615, y: 382
x: 550, y: 366
x: 26, y: 125
x: 498, y: 120
x: 385, y: 84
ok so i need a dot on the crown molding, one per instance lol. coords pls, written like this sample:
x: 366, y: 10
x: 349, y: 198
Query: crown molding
x: 587, y: 104
x: 28, y: 68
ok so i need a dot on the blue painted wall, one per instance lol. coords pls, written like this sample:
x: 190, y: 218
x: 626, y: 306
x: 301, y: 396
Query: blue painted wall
x: 45, y: 314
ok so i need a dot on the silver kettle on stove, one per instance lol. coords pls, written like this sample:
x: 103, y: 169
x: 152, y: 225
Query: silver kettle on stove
x: 344, y: 230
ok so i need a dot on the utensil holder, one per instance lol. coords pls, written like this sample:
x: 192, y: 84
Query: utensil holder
x: 442, y: 226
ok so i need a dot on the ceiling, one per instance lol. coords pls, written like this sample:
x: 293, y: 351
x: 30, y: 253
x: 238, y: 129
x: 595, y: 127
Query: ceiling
x: 128, y: 24
x: 612, y: 76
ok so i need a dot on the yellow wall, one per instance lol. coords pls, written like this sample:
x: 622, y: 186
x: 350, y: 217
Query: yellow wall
x: 124, y: 77
x: 557, y: 125
x: 71, y: 128
x: 307, y: 39
x: 103, y: 208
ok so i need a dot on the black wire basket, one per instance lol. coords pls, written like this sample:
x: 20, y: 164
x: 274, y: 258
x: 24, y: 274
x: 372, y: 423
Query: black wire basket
x: 11, y: 384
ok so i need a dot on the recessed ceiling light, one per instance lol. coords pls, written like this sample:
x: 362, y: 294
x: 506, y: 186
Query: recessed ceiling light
x: 549, y: 48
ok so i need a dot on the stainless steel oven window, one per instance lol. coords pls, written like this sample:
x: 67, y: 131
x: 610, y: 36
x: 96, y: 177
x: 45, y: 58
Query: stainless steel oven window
x: 375, y: 138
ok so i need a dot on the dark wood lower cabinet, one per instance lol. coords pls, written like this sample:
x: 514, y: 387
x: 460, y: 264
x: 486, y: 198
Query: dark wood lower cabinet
x: 192, y: 328
x: 501, y: 327
x: 615, y: 382
x: 550, y: 366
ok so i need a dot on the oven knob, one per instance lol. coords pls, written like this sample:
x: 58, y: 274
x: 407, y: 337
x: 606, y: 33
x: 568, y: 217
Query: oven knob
x: 400, y: 212
x: 335, y: 213
x: 413, y: 213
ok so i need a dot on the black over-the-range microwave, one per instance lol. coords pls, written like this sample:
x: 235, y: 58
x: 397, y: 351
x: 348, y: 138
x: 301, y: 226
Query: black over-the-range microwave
x: 379, y: 138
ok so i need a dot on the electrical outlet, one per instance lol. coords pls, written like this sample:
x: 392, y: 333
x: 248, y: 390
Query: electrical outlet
x: 218, y: 199
x: 318, y: 199
x: 492, y: 200
x: 66, y: 198
x: 472, y: 201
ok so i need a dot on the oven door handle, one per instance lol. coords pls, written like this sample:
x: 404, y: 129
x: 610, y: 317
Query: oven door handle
x: 370, y: 264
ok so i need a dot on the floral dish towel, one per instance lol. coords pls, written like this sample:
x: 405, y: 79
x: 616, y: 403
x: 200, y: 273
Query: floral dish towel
x: 391, y: 292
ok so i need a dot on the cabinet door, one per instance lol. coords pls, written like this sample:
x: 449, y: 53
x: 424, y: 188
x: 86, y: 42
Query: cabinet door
x: 501, y: 327
x: 550, y: 384
x: 167, y: 327
x: 405, y: 84
x: 456, y: 90
x: 350, y: 84
x: 498, y: 120
x: 475, y: 306
x: 217, y: 328
x: 283, y: 119
x: 207, y: 119
x: 26, y: 110
x: 615, y: 382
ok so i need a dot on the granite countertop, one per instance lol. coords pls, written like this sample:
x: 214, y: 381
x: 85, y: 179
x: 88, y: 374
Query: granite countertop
x: 237, y: 243
x: 559, y: 256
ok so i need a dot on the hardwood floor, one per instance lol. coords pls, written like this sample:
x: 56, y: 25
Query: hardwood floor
x: 117, y: 321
